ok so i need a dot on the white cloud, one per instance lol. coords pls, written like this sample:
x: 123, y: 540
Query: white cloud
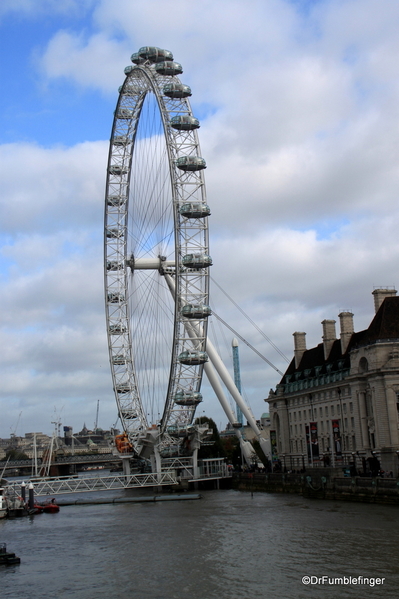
x: 299, y: 130
x: 48, y: 189
x: 35, y: 8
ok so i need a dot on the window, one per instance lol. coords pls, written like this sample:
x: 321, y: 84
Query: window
x: 344, y: 408
x: 326, y: 411
x: 332, y: 410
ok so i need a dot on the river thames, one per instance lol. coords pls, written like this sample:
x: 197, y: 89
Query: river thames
x: 226, y: 545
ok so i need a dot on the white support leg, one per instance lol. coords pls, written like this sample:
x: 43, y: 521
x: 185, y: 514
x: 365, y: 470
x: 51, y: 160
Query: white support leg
x: 210, y: 371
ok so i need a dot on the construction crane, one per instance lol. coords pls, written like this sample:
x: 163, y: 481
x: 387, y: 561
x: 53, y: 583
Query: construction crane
x: 14, y: 432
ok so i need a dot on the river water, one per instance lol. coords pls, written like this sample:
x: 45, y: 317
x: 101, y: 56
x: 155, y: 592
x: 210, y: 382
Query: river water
x: 226, y: 545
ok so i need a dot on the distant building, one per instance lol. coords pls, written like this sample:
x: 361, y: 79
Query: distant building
x: 338, y: 403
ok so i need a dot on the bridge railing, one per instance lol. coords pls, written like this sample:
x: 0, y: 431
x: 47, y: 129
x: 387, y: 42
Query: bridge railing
x: 66, y: 485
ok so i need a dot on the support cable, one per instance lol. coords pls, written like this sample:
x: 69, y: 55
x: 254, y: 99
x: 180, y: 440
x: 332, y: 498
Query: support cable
x: 252, y: 322
x: 247, y: 343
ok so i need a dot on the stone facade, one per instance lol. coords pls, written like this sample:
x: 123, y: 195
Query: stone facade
x: 337, y: 404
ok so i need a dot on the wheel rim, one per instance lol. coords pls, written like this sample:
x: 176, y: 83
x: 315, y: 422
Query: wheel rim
x: 151, y: 248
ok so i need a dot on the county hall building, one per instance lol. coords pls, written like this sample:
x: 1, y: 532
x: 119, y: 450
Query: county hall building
x: 338, y: 403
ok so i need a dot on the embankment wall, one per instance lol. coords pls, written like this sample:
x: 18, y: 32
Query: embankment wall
x: 322, y: 486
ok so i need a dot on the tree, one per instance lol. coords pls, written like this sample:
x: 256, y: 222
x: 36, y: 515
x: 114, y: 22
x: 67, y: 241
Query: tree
x: 215, y: 448
x: 16, y: 454
x: 231, y: 446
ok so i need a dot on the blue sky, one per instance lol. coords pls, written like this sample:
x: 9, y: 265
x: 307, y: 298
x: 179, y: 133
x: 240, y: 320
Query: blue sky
x: 298, y: 103
x: 37, y: 110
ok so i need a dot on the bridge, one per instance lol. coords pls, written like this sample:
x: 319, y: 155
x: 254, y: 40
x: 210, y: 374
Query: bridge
x: 71, y: 460
x: 212, y: 469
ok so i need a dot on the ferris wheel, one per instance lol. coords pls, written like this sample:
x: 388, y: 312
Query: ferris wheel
x: 156, y: 254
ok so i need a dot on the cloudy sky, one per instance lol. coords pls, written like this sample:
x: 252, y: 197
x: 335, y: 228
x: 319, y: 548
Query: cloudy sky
x: 299, y: 109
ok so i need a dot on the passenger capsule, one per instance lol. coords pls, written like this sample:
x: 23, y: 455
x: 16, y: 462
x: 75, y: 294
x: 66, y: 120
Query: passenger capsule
x: 196, y: 311
x: 128, y: 69
x: 153, y: 54
x: 190, y: 163
x: 115, y: 298
x: 196, y: 261
x: 169, y: 68
x: 129, y: 89
x: 193, y: 358
x: 116, y: 329
x: 124, y: 113
x: 114, y: 265
x: 180, y: 430
x: 136, y: 58
x: 187, y: 398
x: 114, y: 233
x: 127, y: 414
x: 237, y: 425
x: 119, y: 359
x: 177, y: 90
x: 194, y: 210
x: 117, y: 169
x: 184, y: 122
x: 116, y: 200
x: 123, y: 388
x: 121, y: 140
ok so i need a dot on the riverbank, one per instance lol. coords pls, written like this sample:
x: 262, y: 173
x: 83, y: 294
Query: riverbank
x: 322, y: 485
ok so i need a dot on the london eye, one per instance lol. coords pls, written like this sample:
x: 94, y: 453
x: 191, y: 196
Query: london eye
x: 156, y: 256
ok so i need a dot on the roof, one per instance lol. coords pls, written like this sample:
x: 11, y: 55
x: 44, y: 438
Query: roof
x: 383, y: 327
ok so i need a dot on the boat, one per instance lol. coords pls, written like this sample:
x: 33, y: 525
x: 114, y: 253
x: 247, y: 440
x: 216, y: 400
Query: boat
x: 7, y: 558
x: 50, y: 507
x: 3, y: 504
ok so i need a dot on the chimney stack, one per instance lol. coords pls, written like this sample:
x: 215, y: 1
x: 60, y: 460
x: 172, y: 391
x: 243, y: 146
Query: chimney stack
x: 381, y: 294
x: 347, y: 330
x: 299, y: 347
x: 329, y: 336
